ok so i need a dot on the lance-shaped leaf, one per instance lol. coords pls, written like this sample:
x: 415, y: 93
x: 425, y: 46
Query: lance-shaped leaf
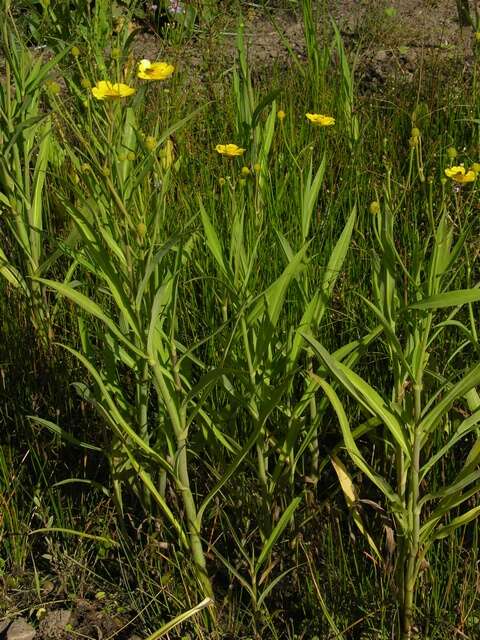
x: 277, y: 531
x: 364, y: 394
x: 117, y: 420
x: 351, y: 498
x: 317, y: 306
x: 433, y: 417
x: 310, y: 195
x: 356, y: 455
x: 92, y: 308
x: 467, y: 426
x: 213, y: 242
x: 448, y: 299
x: 65, y: 435
x: 272, y: 299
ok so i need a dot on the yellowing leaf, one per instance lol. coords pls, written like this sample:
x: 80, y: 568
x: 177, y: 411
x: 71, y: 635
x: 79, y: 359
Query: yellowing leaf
x: 346, y: 483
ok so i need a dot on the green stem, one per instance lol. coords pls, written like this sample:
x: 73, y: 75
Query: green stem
x: 414, y: 512
x: 180, y: 430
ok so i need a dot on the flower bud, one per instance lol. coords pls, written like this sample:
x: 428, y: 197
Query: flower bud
x: 115, y: 53
x: 130, y: 156
x: 53, y: 87
x: 245, y: 172
x: 452, y: 153
x: 85, y: 83
x: 281, y: 115
x: 415, y: 133
x: 150, y: 143
x: 257, y: 167
x: 375, y: 208
x: 75, y: 51
x: 141, y: 229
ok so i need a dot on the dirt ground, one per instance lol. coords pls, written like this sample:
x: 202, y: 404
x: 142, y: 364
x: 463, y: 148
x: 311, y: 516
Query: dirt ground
x: 390, y: 36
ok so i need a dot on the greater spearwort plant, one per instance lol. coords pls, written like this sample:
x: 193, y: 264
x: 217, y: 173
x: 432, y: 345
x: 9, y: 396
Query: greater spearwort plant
x: 257, y: 324
x: 410, y: 299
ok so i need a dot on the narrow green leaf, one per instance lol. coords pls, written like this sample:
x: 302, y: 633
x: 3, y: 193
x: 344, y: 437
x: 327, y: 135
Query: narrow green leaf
x: 448, y: 299
x: 213, y: 242
x: 433, y: 417
x: 356, y: 455
x: 277, y: 532
x: 459, y: 521
x: 90, y: 307
x: 65, y: 435
x: 74, y: 532
x: 310, y: 196
x: 364, y: 394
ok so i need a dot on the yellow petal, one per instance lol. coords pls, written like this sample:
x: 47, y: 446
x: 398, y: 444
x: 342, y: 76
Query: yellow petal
x: 467, y: 177
x: 455, y: 171
x: 320, y: 119
x: 154, y: 70
x: 230, y: 150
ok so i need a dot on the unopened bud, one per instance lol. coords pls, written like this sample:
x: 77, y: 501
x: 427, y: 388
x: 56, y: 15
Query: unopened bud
x: 150, y: 143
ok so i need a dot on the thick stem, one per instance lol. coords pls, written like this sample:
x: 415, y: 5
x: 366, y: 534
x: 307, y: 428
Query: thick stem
x: 410, y: 579
x: 183, y: 481
x: 192, y: 521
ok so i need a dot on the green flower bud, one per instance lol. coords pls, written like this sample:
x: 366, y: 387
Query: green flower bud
x: 53, y: 87
x: 374, y: 208
x: 150, y: 143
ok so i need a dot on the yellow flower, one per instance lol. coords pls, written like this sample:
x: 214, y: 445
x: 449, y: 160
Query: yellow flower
x: 458, y: 174
x: 230, y: 150
x: 154, y: 70
x: 322, y: 121
x: 111, y: 91
x: 281, y: 115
